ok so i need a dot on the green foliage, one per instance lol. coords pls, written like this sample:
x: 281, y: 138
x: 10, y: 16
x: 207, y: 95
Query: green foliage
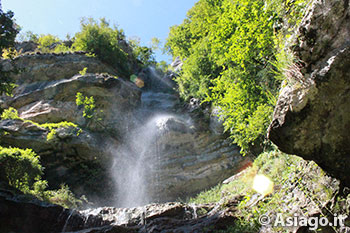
x: 20, y: 167
x: 45, y: 41
x: 63, y: 197
x: 51, y: 135
x: 23, y: 171
x: 88, y: 103
x: 103, y: 41
x: 83, y: 71
x: 62, y: 124
x: 229, y: 49
x: 10, y: 113
x: 142, y: 53
x: 155, y: 43
x: 61, y: 48
x: 10, y: 53
x: 297, y: 188
x: 8, y: 32
x: 54, y: 126
x: 28, y: 36
x: 163, y: 66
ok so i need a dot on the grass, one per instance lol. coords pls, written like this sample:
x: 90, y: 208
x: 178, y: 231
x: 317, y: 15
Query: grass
x: 299, y: 188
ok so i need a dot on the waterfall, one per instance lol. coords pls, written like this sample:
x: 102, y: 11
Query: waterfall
x: 136, y: 163
x: 137, y: 160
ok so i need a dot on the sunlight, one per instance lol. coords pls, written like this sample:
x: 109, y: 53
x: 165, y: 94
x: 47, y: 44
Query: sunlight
x: 263, y: 185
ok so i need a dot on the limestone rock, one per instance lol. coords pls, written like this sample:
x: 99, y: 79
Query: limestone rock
x: 312, y: 118
x: 64, y: 156
x: 24, y: 216
x: 46, y: 93
x: 185, y: 152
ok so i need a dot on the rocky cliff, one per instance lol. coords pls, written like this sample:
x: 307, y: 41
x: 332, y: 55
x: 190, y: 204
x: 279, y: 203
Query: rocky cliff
x: 185, y: 155
x: 312, y: 116
x: 46, y: 93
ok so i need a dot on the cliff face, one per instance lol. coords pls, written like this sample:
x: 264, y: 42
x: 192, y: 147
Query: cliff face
x: 46, y: 93
x: 312, y: 117
x: 183, y: 155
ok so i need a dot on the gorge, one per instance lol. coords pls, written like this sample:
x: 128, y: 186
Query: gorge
x: 142, y: 150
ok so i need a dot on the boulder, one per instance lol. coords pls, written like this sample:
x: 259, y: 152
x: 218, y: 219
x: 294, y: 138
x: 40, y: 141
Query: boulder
x: 312, y: 116
x: 35, y: 216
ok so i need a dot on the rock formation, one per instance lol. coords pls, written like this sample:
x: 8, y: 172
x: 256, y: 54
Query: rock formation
x: 46, y: 93
x: 170, y: 217
x: 190, y: 153
x: 312, y: 116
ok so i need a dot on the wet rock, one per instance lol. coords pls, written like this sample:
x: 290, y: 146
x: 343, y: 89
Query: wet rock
x: 35, y: 216
x: 156, y: 81
x: 312, y: 117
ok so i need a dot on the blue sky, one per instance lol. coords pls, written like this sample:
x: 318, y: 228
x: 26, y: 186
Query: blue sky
x: 142, y: 18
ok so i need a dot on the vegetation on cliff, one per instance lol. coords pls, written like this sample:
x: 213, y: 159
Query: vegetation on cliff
x: 230, y: 53
x: 23, y: 171
x: 98, y: 38
x: 8, y: 32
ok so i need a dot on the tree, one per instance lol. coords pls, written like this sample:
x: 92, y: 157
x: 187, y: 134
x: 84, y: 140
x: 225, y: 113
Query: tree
x: 229, y: 50
x: 8, y: 30
x: 8, y: 33
x: 104, y: 41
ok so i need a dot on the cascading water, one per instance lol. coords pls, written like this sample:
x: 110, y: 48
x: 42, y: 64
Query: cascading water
x: 137, y: 159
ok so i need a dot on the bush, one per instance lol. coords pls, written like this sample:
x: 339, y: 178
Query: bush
x: 8, y: 32
x: 20, y: 167
x: 10, y: 113
x: 88, y: 103
x: 103, y: 41
x: 23, y: 171
x: 63, y: 197
x: 46, y: 41
x: 142, y: 53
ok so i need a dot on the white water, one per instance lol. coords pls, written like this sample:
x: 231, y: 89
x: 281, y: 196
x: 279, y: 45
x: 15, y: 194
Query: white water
x: 137, y: 159
x: 136, y: 163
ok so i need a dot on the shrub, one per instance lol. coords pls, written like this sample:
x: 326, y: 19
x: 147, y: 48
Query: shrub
x: 10, y: 53
x: 28, y: 36
x: 20, y: 167
x: 142, y: 53
x: 10, y: 113
x: 83, y: 71
x: 88, y: 103
x: 103, y: 41
x: 23, y: 171
x: 45, y: 41
x: 8, y: 32
x: 62, y: 48
x: 63, y: 197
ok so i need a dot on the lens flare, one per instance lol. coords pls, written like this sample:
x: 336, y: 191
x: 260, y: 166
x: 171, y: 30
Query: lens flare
x: 263, y: 185
x: 138, y: 82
